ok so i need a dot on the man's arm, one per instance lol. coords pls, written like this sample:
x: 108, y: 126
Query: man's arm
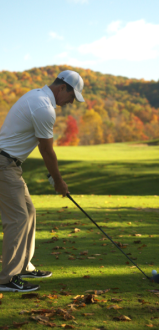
x: 50, y: 159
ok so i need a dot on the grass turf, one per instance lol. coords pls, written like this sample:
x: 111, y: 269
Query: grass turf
x: 86, y: 260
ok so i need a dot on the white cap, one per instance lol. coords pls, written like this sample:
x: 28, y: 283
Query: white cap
x: 73, y: 79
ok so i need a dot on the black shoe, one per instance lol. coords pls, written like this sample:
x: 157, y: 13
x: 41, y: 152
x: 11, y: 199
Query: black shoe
x: 18, y: 285
x: 36, y: 274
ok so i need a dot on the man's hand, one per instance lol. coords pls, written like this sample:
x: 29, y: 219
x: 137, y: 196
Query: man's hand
x: 61, y: 187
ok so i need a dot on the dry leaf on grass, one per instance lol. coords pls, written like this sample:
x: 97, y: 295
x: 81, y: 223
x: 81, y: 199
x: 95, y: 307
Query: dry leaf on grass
x: 114, y: 307
x: 142, y: 301
x: 116, y: 300
x: 23, y: 312
x: 52, y: 296
x: 122, y: 318
x: 75, y: 230
x: 30, y: 295
x: 88, y: 314
x: 62, y: 210
x: 154, y: 291
x: 67, y: 326
x: 86, y: 276
x: 1, y: 295
x: 19, y: 324
x: 149, y: 325
x: 65, y: 293
x: 84, y: 253
x: 137, y: 235
x: 43, y: 311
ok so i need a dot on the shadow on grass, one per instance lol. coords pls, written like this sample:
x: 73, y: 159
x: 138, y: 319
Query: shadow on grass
x: 55, y: 237
x: 103, y: 178
x: 129, y: 287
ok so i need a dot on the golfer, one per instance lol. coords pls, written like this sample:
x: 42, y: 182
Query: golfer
x: 29, y: 123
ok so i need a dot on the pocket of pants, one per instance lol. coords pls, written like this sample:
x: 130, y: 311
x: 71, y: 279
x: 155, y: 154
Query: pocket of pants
x: 5, y: 162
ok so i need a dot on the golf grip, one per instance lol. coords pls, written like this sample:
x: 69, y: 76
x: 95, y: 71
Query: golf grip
x: 69, y: 196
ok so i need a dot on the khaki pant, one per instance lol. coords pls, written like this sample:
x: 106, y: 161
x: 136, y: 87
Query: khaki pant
x: 18, y: 220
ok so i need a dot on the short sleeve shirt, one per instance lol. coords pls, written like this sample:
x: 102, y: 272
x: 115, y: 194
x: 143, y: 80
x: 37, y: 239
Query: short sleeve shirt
x: 31, y: 117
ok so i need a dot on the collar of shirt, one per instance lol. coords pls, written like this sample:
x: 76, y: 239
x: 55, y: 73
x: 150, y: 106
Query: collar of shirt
x: 50, y: 94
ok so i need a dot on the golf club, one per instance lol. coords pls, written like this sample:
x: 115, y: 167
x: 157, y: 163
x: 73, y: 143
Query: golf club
x: 154, y: 278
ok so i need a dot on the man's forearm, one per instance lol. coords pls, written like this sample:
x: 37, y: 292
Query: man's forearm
x: 51, y: 163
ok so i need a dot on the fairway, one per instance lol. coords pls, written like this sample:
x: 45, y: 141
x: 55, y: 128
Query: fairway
x: 93, y: 286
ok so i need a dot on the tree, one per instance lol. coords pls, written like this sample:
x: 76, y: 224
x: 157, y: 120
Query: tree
x: 69, y: 137
x: 91, y: 130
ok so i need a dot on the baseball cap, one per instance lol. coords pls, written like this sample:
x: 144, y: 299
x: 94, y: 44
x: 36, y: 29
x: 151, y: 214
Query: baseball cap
x: 73, y: 79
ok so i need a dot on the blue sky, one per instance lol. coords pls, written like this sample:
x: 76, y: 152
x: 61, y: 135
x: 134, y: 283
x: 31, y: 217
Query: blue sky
x: 119, y: 37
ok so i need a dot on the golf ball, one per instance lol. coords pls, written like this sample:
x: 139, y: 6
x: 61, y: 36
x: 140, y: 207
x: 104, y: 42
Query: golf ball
x: 154, y: 272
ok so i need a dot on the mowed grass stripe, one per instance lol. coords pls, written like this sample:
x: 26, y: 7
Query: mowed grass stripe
x: 72, y: 255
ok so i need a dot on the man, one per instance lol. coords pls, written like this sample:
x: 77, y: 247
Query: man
x: 29, y: 123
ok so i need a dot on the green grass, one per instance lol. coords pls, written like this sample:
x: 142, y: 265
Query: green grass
x: 118, y: 186
x: 116, y: 169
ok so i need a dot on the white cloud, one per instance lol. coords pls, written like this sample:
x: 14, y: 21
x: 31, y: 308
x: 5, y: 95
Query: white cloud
x: 54, y: 35
x: 113, y: 27
x: 136, y: 41
x: 27, y: 57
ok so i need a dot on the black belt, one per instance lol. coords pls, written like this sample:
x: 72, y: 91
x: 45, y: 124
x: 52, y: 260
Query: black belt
x: 17, y: 161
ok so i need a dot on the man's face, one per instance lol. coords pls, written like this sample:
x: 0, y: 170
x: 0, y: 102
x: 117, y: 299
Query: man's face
x: 64, y: 97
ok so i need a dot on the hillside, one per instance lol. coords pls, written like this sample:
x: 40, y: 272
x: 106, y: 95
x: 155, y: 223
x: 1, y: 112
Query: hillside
x: 117, y: 109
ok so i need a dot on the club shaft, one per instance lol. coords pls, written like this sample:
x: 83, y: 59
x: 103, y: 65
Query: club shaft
x: 69, y: 196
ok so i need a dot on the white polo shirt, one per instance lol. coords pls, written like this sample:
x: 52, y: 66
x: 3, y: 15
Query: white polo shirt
x: 30, y: 118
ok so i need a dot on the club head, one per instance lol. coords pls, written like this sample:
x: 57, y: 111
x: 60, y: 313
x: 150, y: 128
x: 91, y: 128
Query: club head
x: 155, y: 278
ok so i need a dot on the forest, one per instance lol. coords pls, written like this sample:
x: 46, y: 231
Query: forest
x: 116, y: 109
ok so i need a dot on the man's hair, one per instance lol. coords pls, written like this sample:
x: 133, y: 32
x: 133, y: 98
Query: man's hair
x: 61, y: 82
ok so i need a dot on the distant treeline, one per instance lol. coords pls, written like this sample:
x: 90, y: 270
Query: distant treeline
x: 117, y: 109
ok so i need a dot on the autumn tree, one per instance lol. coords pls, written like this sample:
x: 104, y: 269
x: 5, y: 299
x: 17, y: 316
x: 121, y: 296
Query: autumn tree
x: 69, y: 138
x: 91, y: 130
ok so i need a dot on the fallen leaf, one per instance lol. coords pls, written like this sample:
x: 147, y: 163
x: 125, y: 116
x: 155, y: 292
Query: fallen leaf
x: 67, y: 326
x: 122, y: 318
x: 1, y: 295
x: 154, y: 291
x: 18, y: 325
x: 91, y: 258
x: 114, y: 307
x: 116, y: 300
x: 23, y: 312
x: 137, y: 235
x: 90, y: 299
x: 30, y: 295
x: 86, y: 276
x: 88, y: 314
x: 142, y: 301
x: 65, y: 293
x: 75, y: 230
x: 137, y: 242
x: 62, y: 210
x: 121, y: 245
x: 84, y: 253
x: 43, y: 311
x: 149, y: 325
x: 52, y: 296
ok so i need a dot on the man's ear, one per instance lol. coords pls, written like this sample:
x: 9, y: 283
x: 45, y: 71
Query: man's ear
x: 62, y: 87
